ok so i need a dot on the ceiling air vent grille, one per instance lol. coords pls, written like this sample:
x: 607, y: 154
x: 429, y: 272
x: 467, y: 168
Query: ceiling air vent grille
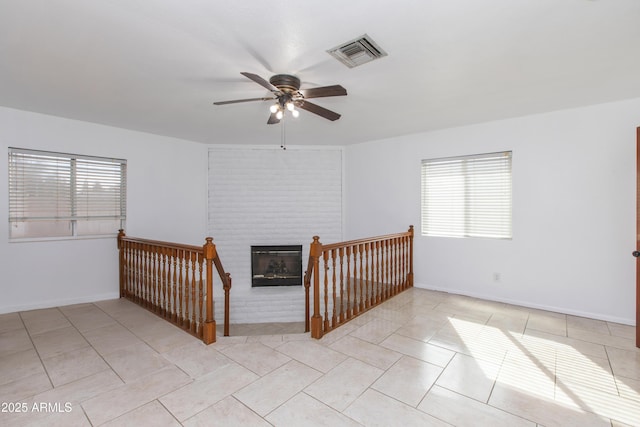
x: 357, y: 52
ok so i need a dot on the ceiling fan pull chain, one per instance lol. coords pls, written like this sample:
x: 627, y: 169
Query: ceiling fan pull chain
x: 283, y: 140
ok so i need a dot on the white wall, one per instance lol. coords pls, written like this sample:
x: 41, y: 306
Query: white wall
x: 270, y: 196
x: 166, y: 200
x: 574, y: 209
x: 574, y: 191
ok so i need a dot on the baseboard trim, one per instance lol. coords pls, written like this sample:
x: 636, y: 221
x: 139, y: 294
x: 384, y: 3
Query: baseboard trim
x: 58, y: 302
x: 563, y: 310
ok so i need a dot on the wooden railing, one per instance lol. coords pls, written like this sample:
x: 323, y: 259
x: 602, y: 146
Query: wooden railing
x: 174, y: 281
x: 350, y: 278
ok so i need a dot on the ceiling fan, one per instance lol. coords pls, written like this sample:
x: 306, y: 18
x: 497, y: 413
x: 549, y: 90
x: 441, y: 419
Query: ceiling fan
x: 288, y: 95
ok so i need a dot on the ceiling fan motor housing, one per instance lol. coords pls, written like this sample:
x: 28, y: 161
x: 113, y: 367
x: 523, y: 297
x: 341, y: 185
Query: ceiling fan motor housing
x: 285, y: 82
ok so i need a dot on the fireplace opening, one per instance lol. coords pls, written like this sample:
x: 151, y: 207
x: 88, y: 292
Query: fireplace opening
x: 276, y: 265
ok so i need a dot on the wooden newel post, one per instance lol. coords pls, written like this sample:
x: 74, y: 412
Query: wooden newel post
x: 316, y: 320
x: 121, y: 235
x: 410, y: 277
x: 209, y: 329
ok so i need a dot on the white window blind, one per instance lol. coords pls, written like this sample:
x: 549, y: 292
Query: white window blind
x: 62, y: 195
x: 467, y: 196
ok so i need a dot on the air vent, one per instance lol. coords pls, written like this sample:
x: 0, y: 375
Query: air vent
x: 357, y: 52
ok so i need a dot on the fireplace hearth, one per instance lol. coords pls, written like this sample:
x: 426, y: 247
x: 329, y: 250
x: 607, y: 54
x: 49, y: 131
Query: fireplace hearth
x: 276, y: 265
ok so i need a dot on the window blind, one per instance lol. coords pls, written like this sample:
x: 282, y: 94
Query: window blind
x: 56, y: 194
x: 467, y: 196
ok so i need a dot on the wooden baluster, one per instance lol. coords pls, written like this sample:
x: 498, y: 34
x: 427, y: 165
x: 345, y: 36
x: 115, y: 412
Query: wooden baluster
x: 138, y: 291
x: 170, y: 275
x: 356, y: 287
x: 152, y: 293
x: 403, y: 241
x: 362, y: 277
x: 122, y: 263
x: 172, y: 295
x: 342, y: 313
x: 407, y: 260
x: 411, y: 255
x: 392, y: 260
x: 131, y: 274
x: 349, y: 304
x: 171, y: 279
x: 184, y: 321
x: 398, y: 271
x: 325, y: 258
x: 333, y: 287
x: 156, y: 278
x: 143, y: 276
x: 134, y: 284
x: 193, y: 292
x: 143, y: 287
x: 152, y: 277
x: 201, y: 296
x: 180, y: 287
x: 154, y: 265
x: 140, y: 275
x: 166, y: 273
x: 387, y: 269
x: 125, y: 273
x: 397, y: 274
x: 400, y: 263
x: 145, y: 271
x: 164, y: 259
x: 367, y: 277
x: 380, y: 296
x: 159, y: 278
x: 372, y: 282
x: 372, y: 274
x: 132, y: 271
x: 381, y: 278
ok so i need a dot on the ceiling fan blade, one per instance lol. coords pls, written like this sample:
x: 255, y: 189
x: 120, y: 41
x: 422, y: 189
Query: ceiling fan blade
x: 235, y: 101
x: 262, y: 82
x: 273, y: 119
x: 316, y: 109
x: 319, y: 92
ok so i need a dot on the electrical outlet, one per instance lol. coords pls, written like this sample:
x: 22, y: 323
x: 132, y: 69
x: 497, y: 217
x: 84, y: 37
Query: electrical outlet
x: 496, y: 277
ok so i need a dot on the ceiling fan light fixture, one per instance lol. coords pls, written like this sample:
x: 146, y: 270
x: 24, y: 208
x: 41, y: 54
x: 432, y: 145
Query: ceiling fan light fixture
x: 290, y: 106
x: 295, y: 113
x: 274, y: 108
x: 279, y: 115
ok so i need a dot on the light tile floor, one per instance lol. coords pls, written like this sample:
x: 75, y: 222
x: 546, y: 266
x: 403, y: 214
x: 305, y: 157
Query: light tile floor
x: 423, y: 358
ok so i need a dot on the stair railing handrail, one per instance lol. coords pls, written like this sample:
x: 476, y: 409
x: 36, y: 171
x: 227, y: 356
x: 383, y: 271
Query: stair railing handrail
x: 316, y: 323
x: 140, y: 267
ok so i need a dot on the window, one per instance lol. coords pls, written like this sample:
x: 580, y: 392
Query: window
x: 468, y: 196
x: 65, y: 195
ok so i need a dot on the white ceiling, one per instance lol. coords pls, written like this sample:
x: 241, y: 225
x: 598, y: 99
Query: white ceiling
x: 157, y: 65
